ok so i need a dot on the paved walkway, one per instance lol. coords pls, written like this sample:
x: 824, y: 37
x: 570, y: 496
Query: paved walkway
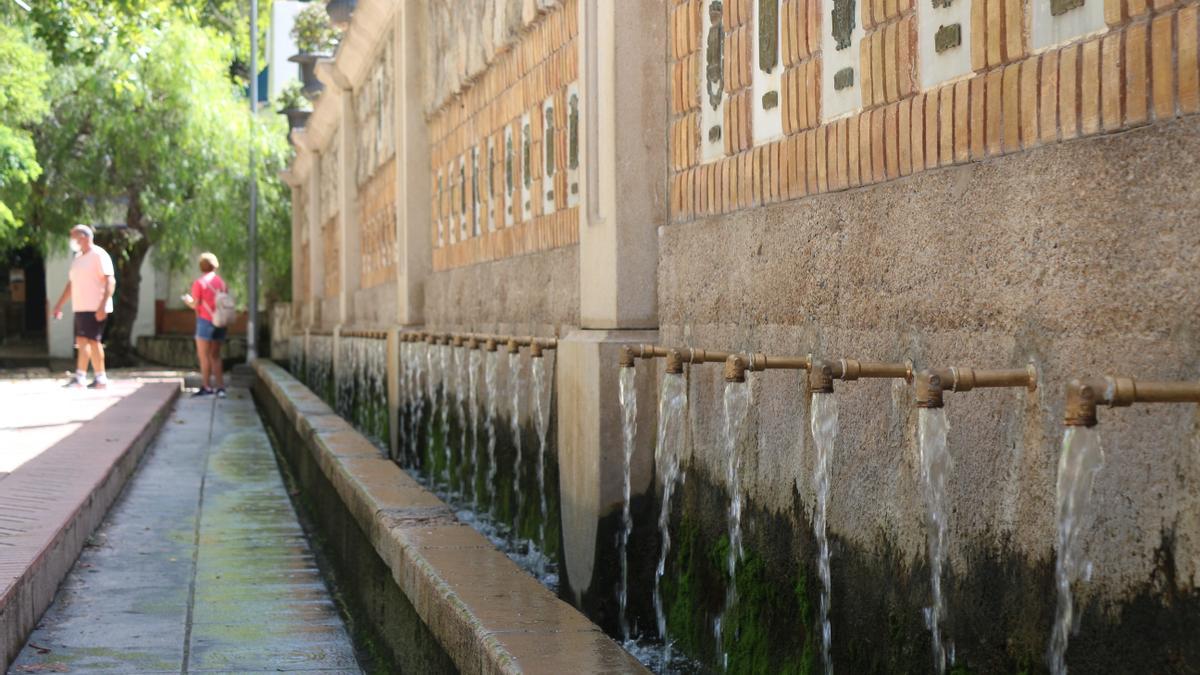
x: 201, y: 565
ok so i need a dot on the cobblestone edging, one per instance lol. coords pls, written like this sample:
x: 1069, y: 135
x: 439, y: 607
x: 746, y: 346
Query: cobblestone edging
x: 51, y: 505
x: 487, y: 614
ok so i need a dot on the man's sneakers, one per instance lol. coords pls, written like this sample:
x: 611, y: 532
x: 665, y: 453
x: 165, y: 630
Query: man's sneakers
x: 98, y: 384
x: 202, y: 391
x: 77, y: 380
x: 74, y: 382
x: 221, y: 392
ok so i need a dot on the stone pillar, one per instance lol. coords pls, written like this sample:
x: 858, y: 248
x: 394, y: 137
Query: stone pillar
x: 624, y: 112
x: 413, y: 218
x: 316, y: 251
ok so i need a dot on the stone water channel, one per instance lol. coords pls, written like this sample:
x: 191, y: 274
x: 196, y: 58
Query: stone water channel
x: 475, y: 425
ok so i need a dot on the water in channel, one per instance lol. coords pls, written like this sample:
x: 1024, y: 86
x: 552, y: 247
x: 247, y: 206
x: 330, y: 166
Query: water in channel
x: 471, y: 476
x: 1078, y: 463
x: 493, y: 395
x: 736, y: 406
x: 936, y: 464
x: 444, y: 354
x: 824, y: 431
x: 672, y: 418
x: 628, y: 393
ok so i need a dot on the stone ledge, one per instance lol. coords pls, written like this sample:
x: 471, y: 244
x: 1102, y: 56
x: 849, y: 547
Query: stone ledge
x: 489, y: 615
x: 51, y: 505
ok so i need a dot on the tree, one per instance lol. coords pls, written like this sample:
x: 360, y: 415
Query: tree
x: 24, y: 74
x: 150, y: 133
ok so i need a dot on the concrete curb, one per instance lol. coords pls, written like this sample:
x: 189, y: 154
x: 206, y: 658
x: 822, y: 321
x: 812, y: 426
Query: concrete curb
x: 85, y: 484
x: 488, y: 615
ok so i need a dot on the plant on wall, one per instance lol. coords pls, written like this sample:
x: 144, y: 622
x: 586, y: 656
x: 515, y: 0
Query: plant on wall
x: 312, y: 32
x: 292, y: 98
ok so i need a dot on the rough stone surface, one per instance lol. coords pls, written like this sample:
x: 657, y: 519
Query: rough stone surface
x: 1078, y: 258
x: 200, y: 566
x: 520, y: 295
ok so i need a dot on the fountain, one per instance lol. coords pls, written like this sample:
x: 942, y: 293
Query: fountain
x: 628, y: 394
x: 824, y: 422
x: 542, y: 399
x: 736, y: 406
x: 515, y: 385
x: 936, y: 464
x: 489, y: 383
x: 1081, y: 459
x: 672, y: 418
x: 473, y: 404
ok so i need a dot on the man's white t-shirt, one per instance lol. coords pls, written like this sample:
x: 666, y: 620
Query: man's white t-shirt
x: 89, y: 280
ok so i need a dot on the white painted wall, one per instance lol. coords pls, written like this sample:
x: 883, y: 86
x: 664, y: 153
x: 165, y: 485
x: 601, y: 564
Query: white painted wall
x: 61, y: 333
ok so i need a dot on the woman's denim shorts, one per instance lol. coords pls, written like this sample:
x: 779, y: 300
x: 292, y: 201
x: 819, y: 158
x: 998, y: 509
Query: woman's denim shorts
x: 205, y: 330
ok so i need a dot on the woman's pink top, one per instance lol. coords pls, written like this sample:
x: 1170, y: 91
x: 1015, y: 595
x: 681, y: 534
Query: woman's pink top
x: 205, y: 290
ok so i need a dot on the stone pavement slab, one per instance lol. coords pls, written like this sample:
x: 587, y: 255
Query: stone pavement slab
x: 201, y: 566
x: 75, y: 450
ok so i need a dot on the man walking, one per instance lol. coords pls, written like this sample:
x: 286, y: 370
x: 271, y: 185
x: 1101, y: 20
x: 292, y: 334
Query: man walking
x: 90, y: 285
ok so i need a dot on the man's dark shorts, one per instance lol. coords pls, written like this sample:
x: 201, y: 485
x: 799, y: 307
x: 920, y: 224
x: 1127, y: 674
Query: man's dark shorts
x: 86, y: 326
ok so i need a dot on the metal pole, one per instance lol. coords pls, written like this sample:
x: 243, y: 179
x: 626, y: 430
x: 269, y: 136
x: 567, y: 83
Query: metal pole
x: 252, y: 322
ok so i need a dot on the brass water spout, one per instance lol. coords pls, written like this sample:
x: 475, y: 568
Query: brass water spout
x: 490, y: 344
x: 456, y: 340
x: 932, y: 384
x: 514, y: 347
x: 674, y: 362
x: 1084, y: 395
x: 535, y: 350
x: 735, y: 368
x: 628, y: 358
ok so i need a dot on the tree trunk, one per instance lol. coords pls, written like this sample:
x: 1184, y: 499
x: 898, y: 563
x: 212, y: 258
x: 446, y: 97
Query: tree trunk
x: 127, y: 259
x: 128, y: 248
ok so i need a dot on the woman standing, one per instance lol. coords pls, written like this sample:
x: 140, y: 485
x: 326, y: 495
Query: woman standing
x: 203, y: 299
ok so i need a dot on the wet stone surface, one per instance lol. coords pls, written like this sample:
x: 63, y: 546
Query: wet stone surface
x: 201, y: 565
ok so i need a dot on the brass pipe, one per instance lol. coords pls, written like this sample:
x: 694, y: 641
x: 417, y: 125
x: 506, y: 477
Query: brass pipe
x: 1083, y: 396
x: 535, y: 350
x: 759, y: 362
x: 514, y: 347
x: 931, y: 384
x: 674, y: 362
x: 490, y: 344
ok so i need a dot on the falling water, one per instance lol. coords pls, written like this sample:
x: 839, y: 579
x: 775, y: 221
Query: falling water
x: 736, y: 407
x: 1081, y: 459
x: 515, y: 383
x: 432, y: 380
x: 489, y: 383
x: 419, y: 363
x: 460, y: 396
x: 296, y: 356
x: 473, y: 403
x: 824, y: 430
x: 541, y: 421
x: 672, y: 406
x: 444, y: 356
x: 936, y: 464
x: 405, y: 408
x: 628, y: 434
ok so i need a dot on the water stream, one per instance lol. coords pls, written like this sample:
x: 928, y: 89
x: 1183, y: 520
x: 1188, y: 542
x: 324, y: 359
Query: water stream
x: 473, y: 405
x: 541, y: 421
x: 736, y: 405
x: 824, y: 431
x: 1081, y: 459
x: 489, y: 378
x: 936, y: 464
x: 516, y: 382
x: 672, y: 418
x: 628, y: 434
x: 461, y: 395
x: 433, y: 378
x: 446, y: 377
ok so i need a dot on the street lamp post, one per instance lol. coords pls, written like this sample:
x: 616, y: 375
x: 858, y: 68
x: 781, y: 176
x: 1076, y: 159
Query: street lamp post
x: 252, y: 319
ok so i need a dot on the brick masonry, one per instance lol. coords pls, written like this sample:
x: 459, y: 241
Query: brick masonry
x: 498, y: 164
x: 1144, y: 68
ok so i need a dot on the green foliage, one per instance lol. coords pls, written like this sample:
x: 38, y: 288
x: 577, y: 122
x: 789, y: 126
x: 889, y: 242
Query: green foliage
x: 24, y: 75
x: 292, y: 98
x: 312, y: 31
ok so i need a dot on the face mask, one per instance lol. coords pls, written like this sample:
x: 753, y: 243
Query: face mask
x: 75, y: 247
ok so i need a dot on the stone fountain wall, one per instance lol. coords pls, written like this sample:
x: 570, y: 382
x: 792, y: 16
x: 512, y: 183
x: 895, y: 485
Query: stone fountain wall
x: 983, y: 183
